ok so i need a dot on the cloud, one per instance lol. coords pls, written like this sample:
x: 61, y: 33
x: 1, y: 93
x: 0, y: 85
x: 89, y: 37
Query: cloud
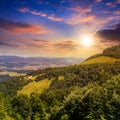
x: 19, y: 28
x: 4, y: 44
x: 117, y: 1
x: 33, y: 12
x: 38, y: 13
x: 101, y: 21
x: 8, y: 44
x: 113, y: 4
x: 40, y: 41
x: 112, y: 34
x: 78, y: 18
x: 23, y: 10
x: 110, y: 4
x: 52, y: 45
x: 98, y: 1
x: 81, y: 10
x: 117, y: 12
x: 54, y: 18
x: 66, y: 45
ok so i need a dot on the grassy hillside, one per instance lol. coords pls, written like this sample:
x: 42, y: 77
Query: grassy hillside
x: 108, y: 55
x: 100, y: 59
x: 35, y: 87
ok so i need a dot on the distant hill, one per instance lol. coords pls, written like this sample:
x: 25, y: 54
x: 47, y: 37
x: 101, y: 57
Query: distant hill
x: 21, y: 65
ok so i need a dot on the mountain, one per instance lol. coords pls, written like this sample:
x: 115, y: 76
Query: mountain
x: 86, y: 91
x: 14, y: 65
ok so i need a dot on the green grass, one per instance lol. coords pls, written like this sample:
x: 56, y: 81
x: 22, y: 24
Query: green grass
x: 35, y: 87
x: 100, y: 59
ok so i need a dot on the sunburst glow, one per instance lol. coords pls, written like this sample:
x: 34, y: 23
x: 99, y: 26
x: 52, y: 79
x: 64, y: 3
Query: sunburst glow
x: 87, y: 40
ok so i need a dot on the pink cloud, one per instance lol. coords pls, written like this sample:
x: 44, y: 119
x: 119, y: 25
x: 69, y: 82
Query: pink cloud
x: 102, y: 21
x: 33, y: 12
x: 98, y: 1
x: 117, y: 1
x: 78, y: 18
x: 38, y: 13
x: 81, y: 10
x: 43, y: 14
x: 110, y: 4
x: 31, y: 29
x: 117, y: 12
x: 54, y: 18
x: 113, y: 4
x: 19, y: 28
x: 23, y: 10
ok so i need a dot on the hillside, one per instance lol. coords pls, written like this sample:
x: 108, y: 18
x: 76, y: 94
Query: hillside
x: 34, y: 86
x: 108, y: 55
x: 88, y: 91
x: 101, y: 59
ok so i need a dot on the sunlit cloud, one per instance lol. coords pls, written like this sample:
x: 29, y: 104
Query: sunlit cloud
x: 117, y: 1
x: 66, y: 45
x: 80, y: 10
x: 78, y: 18
x: 113, y: 4
x: 110, y: 4
x: 55, y: 28
x: 53, y: 18
x: 33, y: 12
x: 117, y: 12
x: 23, y: 10
x: 98, y: 1
x: 19, y: 27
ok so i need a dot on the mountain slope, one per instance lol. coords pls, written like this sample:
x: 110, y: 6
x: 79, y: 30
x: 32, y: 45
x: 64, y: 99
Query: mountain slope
x: 109, y: 55
x: 35, y: 87
x: 93, y: 69
x: 101, y: 59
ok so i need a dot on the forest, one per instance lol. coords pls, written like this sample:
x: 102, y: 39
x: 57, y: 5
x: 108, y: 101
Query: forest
x: 77, y: 92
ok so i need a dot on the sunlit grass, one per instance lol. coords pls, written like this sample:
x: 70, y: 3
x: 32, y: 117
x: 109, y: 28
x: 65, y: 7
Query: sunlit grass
x: 61, y: 78
x: 100, y: 59
x: 35, y: 87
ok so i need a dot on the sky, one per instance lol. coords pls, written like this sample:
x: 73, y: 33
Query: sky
x: 58, y: 28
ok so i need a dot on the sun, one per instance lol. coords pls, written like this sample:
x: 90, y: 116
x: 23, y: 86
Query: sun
x: 87, y: 40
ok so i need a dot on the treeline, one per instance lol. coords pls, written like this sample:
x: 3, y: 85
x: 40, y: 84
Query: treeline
x: 79, y: 75
x: 92, y: 102
x: 10, y: 87
x: 112, y: 52
x: 78, y: 92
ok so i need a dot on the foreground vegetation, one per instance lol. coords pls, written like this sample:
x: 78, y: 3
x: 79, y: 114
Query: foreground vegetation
x: 78, y: 92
